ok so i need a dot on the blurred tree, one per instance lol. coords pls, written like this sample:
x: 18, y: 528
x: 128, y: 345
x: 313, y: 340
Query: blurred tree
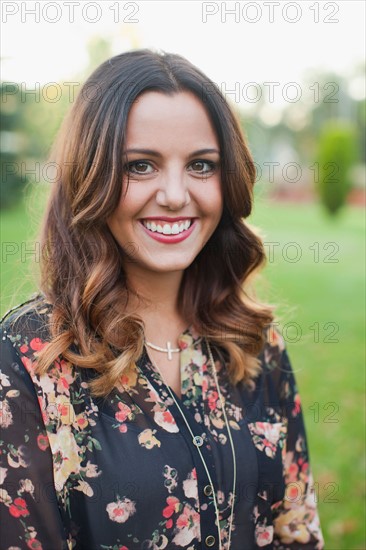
x: 337, y: 154
x: 11, y: 143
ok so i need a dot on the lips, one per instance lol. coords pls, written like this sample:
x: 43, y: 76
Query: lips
x: 168, y: 232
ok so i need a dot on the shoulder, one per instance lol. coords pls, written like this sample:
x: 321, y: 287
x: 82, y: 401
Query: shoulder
x: 27, y: 322
x: 273, y: 349
x: 275, y: 362
x: 24, y: 330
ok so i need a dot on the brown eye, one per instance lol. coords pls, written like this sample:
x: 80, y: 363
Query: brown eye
x: 138, y: 167
x: 202, y: 166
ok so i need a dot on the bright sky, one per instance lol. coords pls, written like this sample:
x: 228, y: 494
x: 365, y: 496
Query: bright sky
x: 232, y: 42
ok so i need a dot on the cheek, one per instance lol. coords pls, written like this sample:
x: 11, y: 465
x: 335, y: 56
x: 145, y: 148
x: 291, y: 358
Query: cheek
x: 212, y: 200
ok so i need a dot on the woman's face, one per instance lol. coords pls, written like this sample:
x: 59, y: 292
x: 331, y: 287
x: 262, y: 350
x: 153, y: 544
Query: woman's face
x: 174, y: 199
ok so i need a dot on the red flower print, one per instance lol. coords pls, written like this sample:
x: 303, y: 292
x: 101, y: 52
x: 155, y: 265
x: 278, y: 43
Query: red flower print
x: 293, y: 492
x: 170, y: 509
x: 36, y: 344
x: 169, y: 524
x: 24, y: 348
x: 167, y: 416
x: 18, y: 508
x: 42, y: 442
x: 34, y: 543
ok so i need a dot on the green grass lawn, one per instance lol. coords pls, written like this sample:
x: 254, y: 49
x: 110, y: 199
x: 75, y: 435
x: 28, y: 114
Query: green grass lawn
x: 321, y: 301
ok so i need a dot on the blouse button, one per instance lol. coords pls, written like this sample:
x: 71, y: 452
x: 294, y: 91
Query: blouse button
x: 207, y: 490
x: 210, y: 540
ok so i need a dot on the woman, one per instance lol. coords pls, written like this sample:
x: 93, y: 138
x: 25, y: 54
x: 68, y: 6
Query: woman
x: 148, y: 401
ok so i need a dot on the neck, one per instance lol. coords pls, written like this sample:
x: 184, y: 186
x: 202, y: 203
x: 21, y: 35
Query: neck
x: 156, y: 304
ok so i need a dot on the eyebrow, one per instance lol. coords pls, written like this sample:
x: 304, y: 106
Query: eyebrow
x: 153, y: 153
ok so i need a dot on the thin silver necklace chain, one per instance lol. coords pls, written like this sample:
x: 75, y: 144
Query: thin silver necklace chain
x: 197, y: 444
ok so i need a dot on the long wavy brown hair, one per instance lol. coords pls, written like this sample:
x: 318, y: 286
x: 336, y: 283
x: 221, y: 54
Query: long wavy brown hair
x: 81, y: 269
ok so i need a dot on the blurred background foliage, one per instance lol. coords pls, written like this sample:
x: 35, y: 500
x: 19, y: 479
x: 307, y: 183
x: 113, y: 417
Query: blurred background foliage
x: 321, y: 293
x: 296, y: 134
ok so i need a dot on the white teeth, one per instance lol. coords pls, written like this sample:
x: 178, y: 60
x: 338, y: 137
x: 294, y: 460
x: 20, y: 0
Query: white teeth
x: 167, y: 229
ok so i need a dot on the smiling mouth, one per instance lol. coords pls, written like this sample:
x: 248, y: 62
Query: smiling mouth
x: 165, y: 228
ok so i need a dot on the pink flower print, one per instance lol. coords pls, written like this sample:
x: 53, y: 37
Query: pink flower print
x: 34, y: 544
x: 297, y: 405
x: 292, y: 472
x: 263, y: 535
x: 267, y: 436
x: 121, y: 510
x: 65, y: 376
x: 43, y: 442
x: 212, y: 400
x: 124, y: 411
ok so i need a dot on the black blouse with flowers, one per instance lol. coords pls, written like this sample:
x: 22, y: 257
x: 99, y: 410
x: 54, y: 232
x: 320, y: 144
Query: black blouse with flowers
x: 122, y: 473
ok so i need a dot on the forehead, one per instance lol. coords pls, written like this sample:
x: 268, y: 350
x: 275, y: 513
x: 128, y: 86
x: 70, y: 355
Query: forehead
x: 156, y: 116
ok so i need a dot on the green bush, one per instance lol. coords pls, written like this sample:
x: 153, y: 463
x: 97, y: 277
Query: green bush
x: 337, y: 154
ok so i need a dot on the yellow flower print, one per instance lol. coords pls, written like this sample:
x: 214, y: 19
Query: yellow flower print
x: 66, y: 410
x: 148, y: 440
x: 291, y: 526
x: 66, y: 455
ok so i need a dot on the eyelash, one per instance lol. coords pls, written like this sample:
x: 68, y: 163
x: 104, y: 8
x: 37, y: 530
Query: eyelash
x: 127, y: 167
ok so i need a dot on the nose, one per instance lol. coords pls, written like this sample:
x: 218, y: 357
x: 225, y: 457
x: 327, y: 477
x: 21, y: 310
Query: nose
x: 173, y: 192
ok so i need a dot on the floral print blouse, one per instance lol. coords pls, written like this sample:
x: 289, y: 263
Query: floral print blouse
x: 122, y: 473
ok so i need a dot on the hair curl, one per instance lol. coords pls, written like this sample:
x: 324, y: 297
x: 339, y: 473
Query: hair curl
x: 81, y: 270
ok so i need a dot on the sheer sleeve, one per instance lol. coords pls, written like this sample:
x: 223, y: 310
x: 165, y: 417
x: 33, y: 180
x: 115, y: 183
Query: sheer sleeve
x: 295, y: 518
x: 29, y: 512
